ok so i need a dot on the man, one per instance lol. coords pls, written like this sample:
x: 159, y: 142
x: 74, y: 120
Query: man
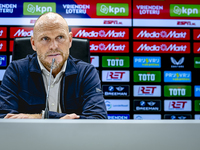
x: 75, y: 91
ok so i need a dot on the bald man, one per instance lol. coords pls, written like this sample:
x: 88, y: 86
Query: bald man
x: 75, y: 91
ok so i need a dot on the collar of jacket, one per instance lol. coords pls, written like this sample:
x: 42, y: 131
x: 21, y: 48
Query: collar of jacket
x: 70, y: 69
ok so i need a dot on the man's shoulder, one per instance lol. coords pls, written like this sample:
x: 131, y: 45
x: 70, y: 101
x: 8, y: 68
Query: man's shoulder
x: 79, y: 64
x: 23, y: 63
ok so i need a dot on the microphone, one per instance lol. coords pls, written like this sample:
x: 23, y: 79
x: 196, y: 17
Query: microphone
x: 46, y: 111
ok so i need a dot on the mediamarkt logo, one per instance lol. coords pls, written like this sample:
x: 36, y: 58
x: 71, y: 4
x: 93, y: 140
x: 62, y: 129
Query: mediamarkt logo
x: 37, y: 8
x: 107, y: 47
x: 196, y: 34
x: 161, y: 34
x: 196, y: 47
x: 3, y: 32
x: 23, y: 33
x: 3, y: 46
x: 100, y: 34
x: 160, y: 47
x: 20, y: 32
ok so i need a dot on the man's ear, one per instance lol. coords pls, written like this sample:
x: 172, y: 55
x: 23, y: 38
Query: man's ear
x: 70, y: 39
x: 33, y: 43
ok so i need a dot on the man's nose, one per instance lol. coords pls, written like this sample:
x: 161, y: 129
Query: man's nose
x: 53, y: 45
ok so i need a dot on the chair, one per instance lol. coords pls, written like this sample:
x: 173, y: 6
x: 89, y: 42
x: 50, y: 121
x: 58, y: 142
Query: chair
x: 80, y: 48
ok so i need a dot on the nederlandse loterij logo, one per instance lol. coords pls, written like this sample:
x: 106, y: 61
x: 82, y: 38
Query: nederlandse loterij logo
x: 180, y: 10
x: 112, y: 9
x: 37, y: 8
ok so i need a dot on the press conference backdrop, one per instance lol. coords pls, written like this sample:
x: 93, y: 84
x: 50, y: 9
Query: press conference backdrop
x: 146, y: 52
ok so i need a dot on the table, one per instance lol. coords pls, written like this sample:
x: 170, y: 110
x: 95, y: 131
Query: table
x: 78, y: 134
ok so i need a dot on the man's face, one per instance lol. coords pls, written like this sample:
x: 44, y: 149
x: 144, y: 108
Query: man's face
x: 52, y: 40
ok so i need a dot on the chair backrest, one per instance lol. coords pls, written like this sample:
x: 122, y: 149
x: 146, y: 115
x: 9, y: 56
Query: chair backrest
x: 80, y: 48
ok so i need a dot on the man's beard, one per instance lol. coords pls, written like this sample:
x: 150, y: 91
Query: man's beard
x: 56, y: 64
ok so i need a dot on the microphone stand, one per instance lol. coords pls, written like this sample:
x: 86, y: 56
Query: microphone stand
x: 46, y: 111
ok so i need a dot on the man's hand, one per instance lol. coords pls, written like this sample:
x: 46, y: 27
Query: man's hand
x: 23, y: 116
x: 71, y: 116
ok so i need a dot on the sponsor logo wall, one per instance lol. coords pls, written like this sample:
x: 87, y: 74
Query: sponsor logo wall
x: 148, y: 61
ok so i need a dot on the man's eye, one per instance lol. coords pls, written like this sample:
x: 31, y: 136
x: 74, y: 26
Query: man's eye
x: 60, y: 37
x: 44, y: 38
